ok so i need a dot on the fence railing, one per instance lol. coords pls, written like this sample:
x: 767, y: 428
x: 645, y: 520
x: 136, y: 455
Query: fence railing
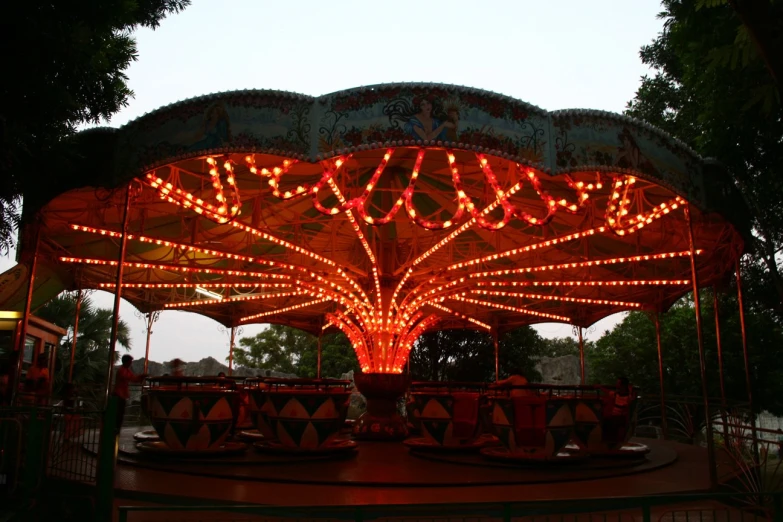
x: 675, y: 508
x: 74, y: 438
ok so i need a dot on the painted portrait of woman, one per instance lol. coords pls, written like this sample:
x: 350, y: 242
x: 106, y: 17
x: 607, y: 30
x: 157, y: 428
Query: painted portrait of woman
x: 215, y: 130
x: 422, y: 118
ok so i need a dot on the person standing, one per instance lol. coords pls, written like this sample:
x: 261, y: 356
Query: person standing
x: 125, y: 376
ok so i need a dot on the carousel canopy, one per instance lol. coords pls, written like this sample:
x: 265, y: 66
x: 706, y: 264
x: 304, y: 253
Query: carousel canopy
x: 386, y: 211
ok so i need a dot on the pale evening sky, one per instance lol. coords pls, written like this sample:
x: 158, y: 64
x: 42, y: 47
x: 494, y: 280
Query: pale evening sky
x: 556, y: 54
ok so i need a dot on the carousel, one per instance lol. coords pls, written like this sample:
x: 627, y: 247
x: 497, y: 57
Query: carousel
x: 385, y: 212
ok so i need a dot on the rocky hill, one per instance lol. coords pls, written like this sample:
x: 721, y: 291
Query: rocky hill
x: 207, y: 367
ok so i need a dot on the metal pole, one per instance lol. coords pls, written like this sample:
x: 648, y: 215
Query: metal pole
x: 746, y: 358
x: 24, y: 323
x: 231, y: 351
x: 151, y: 318
x: 497, y: 354
x: 702, y: 360
x: 664, y: 423
x: 581, y: 357
x: 318, y: 374
x: 118, y: 293
x: 723, y: 407
x: 79, y: 297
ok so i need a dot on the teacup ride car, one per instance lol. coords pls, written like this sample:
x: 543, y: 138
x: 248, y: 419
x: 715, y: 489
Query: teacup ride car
x: 305, y: 415
x: 534, y: 423
x: 448, y: 415
x: 192, y: 416
x: 259, y: 406
x: 605, y: 423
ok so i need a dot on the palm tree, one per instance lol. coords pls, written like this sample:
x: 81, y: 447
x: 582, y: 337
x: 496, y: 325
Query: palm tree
x: 92, y: 345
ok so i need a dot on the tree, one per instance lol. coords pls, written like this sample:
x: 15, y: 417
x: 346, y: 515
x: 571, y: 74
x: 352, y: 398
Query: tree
x: 67, y: 63
x: 92, y: 344
x: 631, y: 350
x: 712, y: 90
x: 290, y: 350
x: 469, y: 355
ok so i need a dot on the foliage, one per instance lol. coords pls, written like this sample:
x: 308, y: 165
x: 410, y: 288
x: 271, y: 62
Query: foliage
x: 631, y: 350
x: 67, y: 61
x: 468, y: 355
x: 712, y: 90
x: 92, y: 344
x: 290, y: 350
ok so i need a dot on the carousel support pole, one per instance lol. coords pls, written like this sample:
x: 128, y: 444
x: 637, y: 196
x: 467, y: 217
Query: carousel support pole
x: 118, y: 294
x: 581, y: 357
x: 25, y: 322
x: 231, y: 351
x: 151, y: 318
x: 497, y: 353
x: 723, y: 407
x: 79, y: 297
x: 319, y: 356
x: 664, y: 423
x: 702, y: 360
x: 747, y: 360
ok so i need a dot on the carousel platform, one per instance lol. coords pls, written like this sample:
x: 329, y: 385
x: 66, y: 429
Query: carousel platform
x: 390, y: 473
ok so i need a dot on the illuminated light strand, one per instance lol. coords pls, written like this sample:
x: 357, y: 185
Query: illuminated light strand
x: 460, y: 315
x: 210, y: 212
x: 465, y: 226
x: 408, y: 195
x: 194, y: 285
x: 356, y: 337
x: 583, y: 264
x: 582, y: 191
x: 581, y: 300
x: 232, y: 299
x: 282, y: 243
x: 360, y: 202
x: 357, y: 229
x: 221, y: 213
x: 328, y: 173
x: 528, y: 248
x: 406, y: 345
x: 282, y: 310
x: 274, y: 176
x: 617, y: 207
x: 642, y: 220
x: 509, y: 210
x: 630, y: 282
x: 226, y: 255
x: 511, y: 308
x: 190, y: 248
x: 177, y: 268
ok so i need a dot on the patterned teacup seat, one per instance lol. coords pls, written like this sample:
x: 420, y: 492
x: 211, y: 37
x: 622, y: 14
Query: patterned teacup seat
x: 192, y: 413
x: 306, y: 414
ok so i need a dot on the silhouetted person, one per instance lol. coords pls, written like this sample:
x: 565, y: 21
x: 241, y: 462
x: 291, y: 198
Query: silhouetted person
x: 125, y: 376
x: 176, y: 368
x: 515, y: 379
x: 37, y: 381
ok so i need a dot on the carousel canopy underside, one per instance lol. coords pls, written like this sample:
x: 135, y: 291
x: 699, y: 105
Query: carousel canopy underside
x: 395, y: 236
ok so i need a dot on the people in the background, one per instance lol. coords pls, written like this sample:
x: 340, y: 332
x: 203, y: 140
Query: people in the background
x: 37, y: 380
x: 616, y: 418
x: 222, y: 375
x: 515, y: 379
x: 177, y: 369
x: 125, y: 376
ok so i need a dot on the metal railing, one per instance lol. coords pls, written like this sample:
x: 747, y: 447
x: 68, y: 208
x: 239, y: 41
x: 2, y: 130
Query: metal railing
x: 73, y: 443
x: 675, y: 508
